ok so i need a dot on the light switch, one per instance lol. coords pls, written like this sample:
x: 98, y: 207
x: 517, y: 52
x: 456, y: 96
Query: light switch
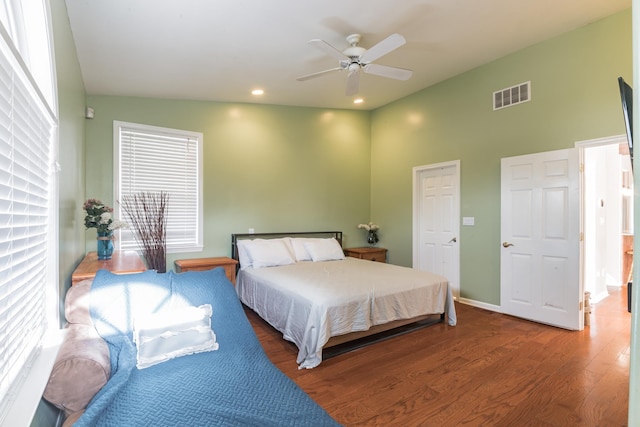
x: 468, y: 220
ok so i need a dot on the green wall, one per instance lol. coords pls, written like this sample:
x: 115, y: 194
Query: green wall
x: 71, y: 130
x: 270, y: 168
x: 574, y: 97
x: 71, y: 176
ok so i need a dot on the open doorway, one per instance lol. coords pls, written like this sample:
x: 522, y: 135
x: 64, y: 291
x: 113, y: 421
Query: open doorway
x: 607, y: 216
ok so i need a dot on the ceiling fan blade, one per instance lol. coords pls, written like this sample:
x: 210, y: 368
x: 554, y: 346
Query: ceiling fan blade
x: 318, y: 74
x: 327, y: 48
x: 386, y: 71
x: 392, y: 42
x: 353, y: 81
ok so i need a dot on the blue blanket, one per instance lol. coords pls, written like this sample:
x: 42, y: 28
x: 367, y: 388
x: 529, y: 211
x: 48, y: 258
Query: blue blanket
x: 235, y: 385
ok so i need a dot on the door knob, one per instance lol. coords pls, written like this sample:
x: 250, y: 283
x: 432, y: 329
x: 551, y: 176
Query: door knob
x: 506, y: 244
x: 453, y: 240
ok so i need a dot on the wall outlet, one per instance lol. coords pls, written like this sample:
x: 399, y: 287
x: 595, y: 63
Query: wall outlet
x: 251, y: 231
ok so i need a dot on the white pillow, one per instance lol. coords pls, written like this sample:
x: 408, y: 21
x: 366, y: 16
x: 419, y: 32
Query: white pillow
x: 324, y: 249
x: 269, y: 253
x: 173, y: 333
x: 243, y: 253
x: 288, y: 245
x: 299, y: 251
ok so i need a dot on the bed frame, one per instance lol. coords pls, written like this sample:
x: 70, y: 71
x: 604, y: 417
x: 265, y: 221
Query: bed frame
x: 359, y: 336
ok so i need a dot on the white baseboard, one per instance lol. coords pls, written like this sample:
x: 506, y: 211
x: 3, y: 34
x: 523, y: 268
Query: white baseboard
x: 594, y: 299
x: 480, y: 304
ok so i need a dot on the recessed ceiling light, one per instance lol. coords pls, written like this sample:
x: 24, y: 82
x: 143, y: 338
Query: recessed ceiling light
x: 257, y: 92
x: 358, y: 101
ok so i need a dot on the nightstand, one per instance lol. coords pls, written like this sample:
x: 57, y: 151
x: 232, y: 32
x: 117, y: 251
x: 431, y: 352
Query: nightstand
x: 370, y: 253
x: 121, y: 262
x: 199, y: 264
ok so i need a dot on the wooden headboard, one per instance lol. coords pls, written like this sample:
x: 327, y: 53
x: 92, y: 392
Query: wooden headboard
x: 318, y: 234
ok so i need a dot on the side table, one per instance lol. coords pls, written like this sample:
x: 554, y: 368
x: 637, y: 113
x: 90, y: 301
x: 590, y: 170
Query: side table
x: 197, y: 264
x: 371, y: 253
x: 121, y: 262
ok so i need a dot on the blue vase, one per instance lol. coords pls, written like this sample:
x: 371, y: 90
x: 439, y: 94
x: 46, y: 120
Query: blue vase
x: 105, y: 245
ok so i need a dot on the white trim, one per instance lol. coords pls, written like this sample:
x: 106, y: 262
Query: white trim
x: 22, y: 398
x: 597, y: 298
x: 27, y: 75
x: 581, y: 146
x: 480, y: 304
x: 615, y: 139
x: 22, y: 409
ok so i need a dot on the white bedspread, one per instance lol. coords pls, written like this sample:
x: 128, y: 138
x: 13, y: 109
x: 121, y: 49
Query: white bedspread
x: 309, y: 302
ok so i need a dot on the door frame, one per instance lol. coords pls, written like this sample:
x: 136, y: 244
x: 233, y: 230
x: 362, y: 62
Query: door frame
x: 416, y: 195
x: 581, y: 146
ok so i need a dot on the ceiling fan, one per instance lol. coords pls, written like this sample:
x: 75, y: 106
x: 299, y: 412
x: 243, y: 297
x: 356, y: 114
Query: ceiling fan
x: 355, y: 59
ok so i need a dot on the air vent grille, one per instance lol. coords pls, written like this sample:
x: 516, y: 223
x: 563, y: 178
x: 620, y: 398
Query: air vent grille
x: 512, y: 96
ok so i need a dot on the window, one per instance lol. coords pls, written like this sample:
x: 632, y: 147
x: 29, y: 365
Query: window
x: 154, y: 159
x: 27, y: 25
x: 28, y: 206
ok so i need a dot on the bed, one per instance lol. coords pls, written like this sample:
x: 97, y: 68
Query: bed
x: 304, y: 286
x: 226, y: 381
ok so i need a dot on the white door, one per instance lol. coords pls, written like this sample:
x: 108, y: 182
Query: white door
x: 540, y: 238
x: 436, y: 227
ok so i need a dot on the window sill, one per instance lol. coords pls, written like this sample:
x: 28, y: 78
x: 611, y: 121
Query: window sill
x: 22, y: 409
x: 184, y: 249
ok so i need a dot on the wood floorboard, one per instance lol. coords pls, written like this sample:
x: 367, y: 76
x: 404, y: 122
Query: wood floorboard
x: 489, y: 370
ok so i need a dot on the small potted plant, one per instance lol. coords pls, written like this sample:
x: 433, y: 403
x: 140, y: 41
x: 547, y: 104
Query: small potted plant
x: 372, y: 232
x: 100, y: 217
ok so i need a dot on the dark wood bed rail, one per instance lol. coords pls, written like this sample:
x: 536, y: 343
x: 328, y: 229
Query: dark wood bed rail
x: 319, y: 234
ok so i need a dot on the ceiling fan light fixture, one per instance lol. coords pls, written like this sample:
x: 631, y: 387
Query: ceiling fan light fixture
x: 354, y: 58
x: 354, y: 52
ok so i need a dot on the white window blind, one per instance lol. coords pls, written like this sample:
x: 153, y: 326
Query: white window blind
x: 153, y: 159
x: 26, y: 152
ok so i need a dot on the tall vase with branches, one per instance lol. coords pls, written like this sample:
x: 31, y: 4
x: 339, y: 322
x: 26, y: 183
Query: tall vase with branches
x: 147, y: 216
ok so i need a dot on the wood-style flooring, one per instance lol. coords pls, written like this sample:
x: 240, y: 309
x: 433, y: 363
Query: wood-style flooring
x: 489, y: 370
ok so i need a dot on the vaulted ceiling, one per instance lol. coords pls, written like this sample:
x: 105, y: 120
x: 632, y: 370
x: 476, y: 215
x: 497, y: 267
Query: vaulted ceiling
x: 220, y: 50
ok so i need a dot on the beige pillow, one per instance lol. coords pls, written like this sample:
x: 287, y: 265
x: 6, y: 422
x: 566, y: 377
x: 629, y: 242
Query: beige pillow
x: 81, y: 369
x: 76, y: 303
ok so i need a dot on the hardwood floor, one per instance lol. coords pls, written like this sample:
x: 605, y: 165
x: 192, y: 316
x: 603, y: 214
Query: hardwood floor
x: 489, y: 370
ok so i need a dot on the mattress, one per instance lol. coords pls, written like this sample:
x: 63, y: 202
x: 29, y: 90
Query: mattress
x: 310, y: 302
x: 235, y: 385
